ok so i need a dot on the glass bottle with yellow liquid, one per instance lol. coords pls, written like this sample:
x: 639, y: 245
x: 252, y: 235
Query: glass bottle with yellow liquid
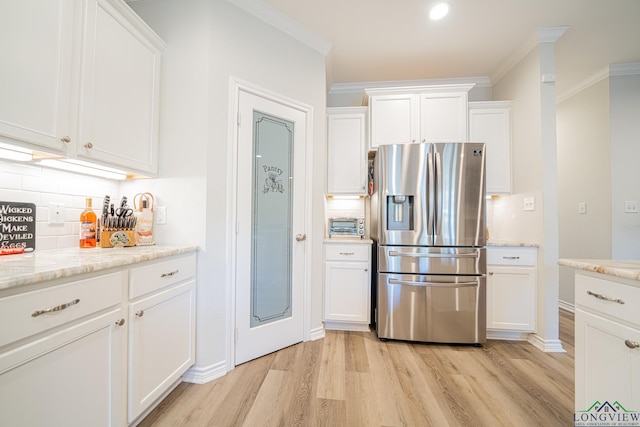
x: 88, y: 226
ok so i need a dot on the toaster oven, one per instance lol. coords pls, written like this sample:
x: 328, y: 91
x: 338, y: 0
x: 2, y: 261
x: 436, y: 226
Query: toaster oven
x: 346, y: 227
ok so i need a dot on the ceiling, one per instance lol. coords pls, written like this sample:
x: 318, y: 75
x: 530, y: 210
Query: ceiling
x: 382, y: 40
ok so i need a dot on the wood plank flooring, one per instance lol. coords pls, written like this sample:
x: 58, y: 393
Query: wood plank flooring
x: 353, y: 379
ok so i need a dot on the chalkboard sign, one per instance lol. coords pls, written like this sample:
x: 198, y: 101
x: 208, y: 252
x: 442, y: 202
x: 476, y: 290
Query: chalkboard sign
x: 18, y: 225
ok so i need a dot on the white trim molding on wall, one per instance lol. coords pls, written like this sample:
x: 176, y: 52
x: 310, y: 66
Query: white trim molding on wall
x: 612, y: 70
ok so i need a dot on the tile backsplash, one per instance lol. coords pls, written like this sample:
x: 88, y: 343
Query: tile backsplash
x: 21, y: 182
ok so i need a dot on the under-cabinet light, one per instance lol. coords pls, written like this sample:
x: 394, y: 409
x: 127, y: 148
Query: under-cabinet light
x: 79, y: 166
x: 15, y: 155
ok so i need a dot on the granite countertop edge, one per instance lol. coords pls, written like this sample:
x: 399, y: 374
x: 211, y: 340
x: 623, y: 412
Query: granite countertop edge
x: 41, y: 266
x: 509, y: 243
x: 627, y: 269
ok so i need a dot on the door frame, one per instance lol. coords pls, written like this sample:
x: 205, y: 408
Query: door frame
x: 235, y: 87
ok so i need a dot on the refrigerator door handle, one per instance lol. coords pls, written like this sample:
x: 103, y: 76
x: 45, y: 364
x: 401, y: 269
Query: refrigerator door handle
x: 431, y: 185
x: 475, y: 254
x: 437, y: 195
x: 433, y: 284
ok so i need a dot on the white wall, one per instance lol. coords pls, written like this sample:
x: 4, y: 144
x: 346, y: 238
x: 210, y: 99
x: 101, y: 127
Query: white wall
x: 209, y: 42
x: 584, y: 165
x: 625, y: 155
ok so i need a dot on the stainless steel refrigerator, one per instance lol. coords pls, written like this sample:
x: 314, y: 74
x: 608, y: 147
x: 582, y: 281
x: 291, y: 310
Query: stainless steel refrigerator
x: 428, y: 221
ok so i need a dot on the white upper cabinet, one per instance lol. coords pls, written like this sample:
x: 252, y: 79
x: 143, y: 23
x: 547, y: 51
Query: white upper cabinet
x: 490, y: 122
x: 81, y: 79
x: 346, y: 142
x: 36, y: 41
x: 418, y: 114
x: 118, y: 114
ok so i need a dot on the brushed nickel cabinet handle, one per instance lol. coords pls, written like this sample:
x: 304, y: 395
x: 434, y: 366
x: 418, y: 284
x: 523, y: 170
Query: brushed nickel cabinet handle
x: 169, y: 274
x: 140, y: 313
x: 631, y: 344
x: 605, y: 298
x: 120, y: 322
x: 88, y: 145
x: 347, y: 253
x: 56, y: 308
x: 510, y: 257
x: 66, y: 139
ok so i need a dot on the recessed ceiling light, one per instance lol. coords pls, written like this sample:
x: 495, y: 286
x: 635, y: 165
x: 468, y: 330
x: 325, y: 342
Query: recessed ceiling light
x: 439, y: 11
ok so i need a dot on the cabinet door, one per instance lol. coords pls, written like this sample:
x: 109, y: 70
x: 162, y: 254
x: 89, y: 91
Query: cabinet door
x: 511, y: 298
x: 346, y: 168
x: 443, y: 117
x: 347, y: 296
x: 606, y: 368
x: 119, y: 96
x: 162, y: 344
x: 394, y: 119
x: 493, y: 127
x: 75, y: 377
x: 36, y: 45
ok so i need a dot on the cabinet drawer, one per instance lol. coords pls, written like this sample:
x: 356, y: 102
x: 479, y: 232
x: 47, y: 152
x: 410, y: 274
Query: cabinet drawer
x: 159, y: 275
x: 511, y: 255
x: 622, y: 301
x: 346, y: 252
x: 30, y: 313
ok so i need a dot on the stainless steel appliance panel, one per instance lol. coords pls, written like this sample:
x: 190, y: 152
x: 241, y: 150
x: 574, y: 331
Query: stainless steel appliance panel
x: 432, y: 260
x: 444, y: 309
x: 402, y: 204
x: 459, y: 208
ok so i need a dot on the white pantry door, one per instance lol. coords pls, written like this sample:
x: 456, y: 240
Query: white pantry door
x: 270, y: 259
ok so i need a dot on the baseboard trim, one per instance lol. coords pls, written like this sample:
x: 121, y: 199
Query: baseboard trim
x: 508, y: 335
x: 548, y: 346
x: 566, y: 306
x: 346, y: 326
x: 316, y: 333
x: 202, y: 375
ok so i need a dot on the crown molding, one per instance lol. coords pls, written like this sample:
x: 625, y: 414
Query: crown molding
x: 551, y: 34
x: 625, y: 69
x: 359, y: 87
x: 584, y: 84
x: 282, y: 22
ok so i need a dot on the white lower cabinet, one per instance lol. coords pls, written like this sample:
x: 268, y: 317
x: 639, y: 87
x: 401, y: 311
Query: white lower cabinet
x: 511, y: 292
x: 83, y: 354
x: 67, y: 367
x: 347, y: 290
x: 607, y: 341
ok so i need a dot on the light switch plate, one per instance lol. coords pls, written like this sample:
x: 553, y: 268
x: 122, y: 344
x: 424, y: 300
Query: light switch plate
x: 582, y: 208
x: 631, y: 206
x: 529, y: 204
x: 161, y: 215
x: 56, y: 213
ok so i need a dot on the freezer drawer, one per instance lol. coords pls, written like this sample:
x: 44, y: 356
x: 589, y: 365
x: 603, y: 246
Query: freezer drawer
x: 443, y: 309
x: 432, y: 260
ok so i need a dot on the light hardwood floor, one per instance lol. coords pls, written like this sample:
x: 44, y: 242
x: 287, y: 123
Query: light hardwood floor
x: 353, y: 379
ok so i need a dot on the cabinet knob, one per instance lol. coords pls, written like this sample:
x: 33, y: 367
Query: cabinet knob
x: 413, y: 140
x: 140, y: 313
x: 120, y: 322
x: 88, y: 145
x: 491, y: 273
x: 301, y: 237
x: 366, y: 269
x: 65, y: 139
x: 631, y: 344
x: 424, y: 139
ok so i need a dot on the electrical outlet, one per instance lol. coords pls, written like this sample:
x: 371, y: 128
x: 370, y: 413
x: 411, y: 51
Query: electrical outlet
x: 631, y: 206
x: 56, y: 213
x: 582, y: 208
x: 529, y: 204
x: 161, y: 215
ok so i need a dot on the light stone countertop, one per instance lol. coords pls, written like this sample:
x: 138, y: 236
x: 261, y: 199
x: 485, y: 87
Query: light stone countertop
x: 628, y: 269
x: 40, y: 266
x: 508, y: 243
x: 346, y: 239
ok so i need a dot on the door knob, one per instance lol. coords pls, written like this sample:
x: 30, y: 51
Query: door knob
x: 301, y: 237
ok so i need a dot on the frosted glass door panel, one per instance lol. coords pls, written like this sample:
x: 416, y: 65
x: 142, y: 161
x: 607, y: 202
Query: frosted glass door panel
x: 272, y: 217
